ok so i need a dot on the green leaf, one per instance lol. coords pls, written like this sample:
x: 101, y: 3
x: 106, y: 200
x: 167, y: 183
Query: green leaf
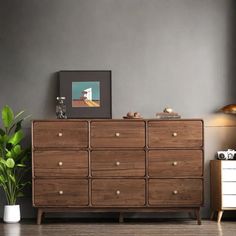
x: 18, y: 125
x: 17, y: 149
x: 13, y: 179
x: 2, y: 132
x: 17, y: 137
x: 7, y: 116
x: 10, y: 163
x: 21, y: 165
x: 20, y: 194
x: 19, y: 114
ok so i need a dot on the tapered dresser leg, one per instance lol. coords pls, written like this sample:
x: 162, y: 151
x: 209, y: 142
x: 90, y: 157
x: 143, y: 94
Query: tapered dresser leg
x: 220, y: 213
x: 198, y: 215
x: 39, y: 216
x: 121, y: 218
x: 212, y: 214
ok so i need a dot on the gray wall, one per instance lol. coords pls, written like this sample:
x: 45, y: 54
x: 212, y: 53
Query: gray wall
x: 178, y: 53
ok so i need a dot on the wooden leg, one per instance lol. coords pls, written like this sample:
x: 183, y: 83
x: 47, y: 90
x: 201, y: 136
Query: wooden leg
x: 39, y: 216
x: 220, y: 213
x: 198, y: 216
x: 212, y: 214
x: 121, y: 218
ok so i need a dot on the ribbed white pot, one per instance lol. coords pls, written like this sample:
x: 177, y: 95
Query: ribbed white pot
x: 11, y: 213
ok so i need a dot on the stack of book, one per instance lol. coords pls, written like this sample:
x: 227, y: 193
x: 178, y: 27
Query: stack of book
x: 167, y: 115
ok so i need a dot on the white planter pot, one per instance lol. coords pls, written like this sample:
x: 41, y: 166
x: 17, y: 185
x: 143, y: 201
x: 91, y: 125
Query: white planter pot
x: 11, y: 214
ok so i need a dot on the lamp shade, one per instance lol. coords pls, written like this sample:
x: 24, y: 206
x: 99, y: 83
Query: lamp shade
x: 231, y: 109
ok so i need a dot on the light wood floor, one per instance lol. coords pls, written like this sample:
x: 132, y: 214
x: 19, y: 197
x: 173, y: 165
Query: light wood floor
x: 134, y: 228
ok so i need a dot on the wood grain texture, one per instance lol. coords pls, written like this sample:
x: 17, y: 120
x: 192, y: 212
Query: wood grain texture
x: 118, y: 134
x: 74, y: 192
x: 175, y: 192
x: 118, y: 192
x: 60, y: 134
x: 187, y: 134
x: 175, y: 163
x: 118, y: 163
x: 216, y: 187
x: 60, y: 163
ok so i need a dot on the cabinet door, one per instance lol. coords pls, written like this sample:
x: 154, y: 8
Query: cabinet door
x: 175, y: 163
x: 175, y: 192
x: 118, y: 192
x: 49, y: 163
x: 118, y: 134
x: 171, y: 134
x: 118, y: 163
x: 60, y: 192
x: 60, y: 134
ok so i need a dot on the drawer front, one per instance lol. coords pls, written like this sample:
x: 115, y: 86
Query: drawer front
x: 228, y: 164
x: 118, y: 163
x: 60, y: 192
x: 60, y: 134
x: 175, y: 163
x: 228, y: 187
x: 228, y: 174
x: 118, y: 192
x: 118, y: 134
x: 228, y: 201
x: 60, y: 163
x: 175, y: 192
x: 178, y: 134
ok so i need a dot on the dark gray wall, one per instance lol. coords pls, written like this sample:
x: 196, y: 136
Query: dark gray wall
x: 178, y: 53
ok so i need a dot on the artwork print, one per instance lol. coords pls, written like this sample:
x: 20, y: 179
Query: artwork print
x: 86, y: 94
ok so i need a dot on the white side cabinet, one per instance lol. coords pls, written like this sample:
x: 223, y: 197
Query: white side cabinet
x: 223, y: 187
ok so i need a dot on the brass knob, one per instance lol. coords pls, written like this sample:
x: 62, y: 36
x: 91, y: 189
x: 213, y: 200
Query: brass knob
x: 60, y: 163
x: 60, y: 134
x: 117, y: 163
x: 175, y: 163
x: 118, y: 192
x: 117, y: 134
x: 60, y: 192
x: 175, y: 192
x: 174, y: 134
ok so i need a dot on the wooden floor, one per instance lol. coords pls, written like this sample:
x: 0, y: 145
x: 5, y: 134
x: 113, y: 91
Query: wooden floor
x: 134, y: 228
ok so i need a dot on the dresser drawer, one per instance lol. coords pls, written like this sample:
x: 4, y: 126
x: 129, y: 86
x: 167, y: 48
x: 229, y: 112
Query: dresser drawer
x: 175, y: 192
x: 187, y: 134
x: 118, y: 192
x: 228, y: 174
x: 60, y: 134
x: 118, y: 163
x: 60, y: 163
x: 118, y: 134
x: 175, y: 163
x: 228, y: 187
x: 60, y: 192
x: 229, y: 201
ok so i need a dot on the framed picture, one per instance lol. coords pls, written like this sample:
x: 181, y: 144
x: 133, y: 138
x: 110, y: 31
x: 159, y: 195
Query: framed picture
x: 87, y: 93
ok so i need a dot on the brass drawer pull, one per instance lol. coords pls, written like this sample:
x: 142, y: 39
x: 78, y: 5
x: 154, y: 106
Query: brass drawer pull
x: 175, y: 163
x: 60, y: 134
x: 60, y: 192
x: 117, y: 163
x: 117, y: 134
x: 175, y: 192
x: 60, y: 163
x: 174, y: 134
x: 118, y: 192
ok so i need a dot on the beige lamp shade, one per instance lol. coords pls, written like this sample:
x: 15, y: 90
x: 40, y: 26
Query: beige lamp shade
x: 231, y: 109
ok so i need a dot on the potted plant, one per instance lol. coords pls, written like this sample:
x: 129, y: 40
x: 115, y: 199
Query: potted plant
x: 13, y: 160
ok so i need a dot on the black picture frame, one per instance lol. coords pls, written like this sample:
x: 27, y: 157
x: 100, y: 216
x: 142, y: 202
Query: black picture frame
x: 66, y: 79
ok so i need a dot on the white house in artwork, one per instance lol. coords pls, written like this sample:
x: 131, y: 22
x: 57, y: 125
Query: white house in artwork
x: 88, y: 94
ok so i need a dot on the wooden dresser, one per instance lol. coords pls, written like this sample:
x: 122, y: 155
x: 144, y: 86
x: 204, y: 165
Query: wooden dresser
x: 223, y: 187
x: 117, y: 166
